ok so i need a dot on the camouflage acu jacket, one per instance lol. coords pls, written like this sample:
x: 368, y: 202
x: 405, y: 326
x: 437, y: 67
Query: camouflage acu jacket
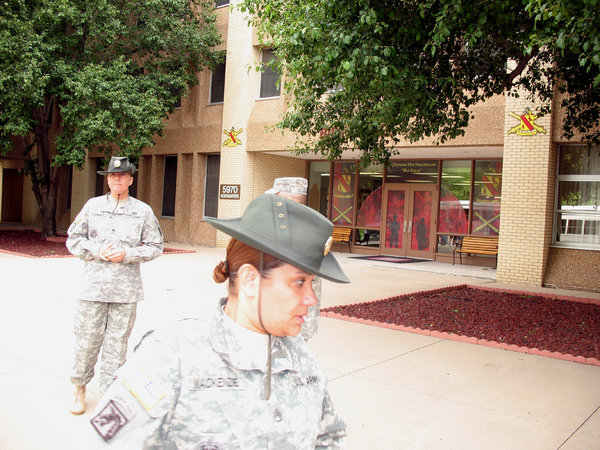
x: 191, y: 387
x: 132, y: 226
x: 311, y: 320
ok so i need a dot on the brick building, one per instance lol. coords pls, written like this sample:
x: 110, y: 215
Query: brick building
x: 509, y: 177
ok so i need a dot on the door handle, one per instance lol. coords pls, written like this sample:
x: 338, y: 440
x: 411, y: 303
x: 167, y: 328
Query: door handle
x: 409, y: 226
x: 404, y: 227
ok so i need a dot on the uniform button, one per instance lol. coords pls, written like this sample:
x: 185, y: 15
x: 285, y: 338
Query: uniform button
x: 281, y: 216
x: 282, y: 227
x: 279, y: 204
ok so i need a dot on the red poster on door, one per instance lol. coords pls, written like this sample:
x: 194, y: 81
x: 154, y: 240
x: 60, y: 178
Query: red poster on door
x: 394, y: 219
x: 421, y: 220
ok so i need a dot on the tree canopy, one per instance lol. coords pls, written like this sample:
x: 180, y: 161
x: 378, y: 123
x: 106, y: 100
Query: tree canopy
x: 366, y: 74
x: 101, y: 74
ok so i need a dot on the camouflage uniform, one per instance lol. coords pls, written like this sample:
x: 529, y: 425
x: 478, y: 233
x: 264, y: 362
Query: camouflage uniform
x: 311, y: 320
x: 201, y: 391
x: 107, y: 305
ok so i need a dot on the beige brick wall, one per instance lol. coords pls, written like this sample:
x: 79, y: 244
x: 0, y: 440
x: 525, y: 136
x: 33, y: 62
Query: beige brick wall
x: 81, y: 189
x: 527, y: 199
x: 269, y: 167
x: 241, y: 91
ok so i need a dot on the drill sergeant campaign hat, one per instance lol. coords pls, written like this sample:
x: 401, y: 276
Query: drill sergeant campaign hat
x: 289, y: 185
x: 118, y: 164
x: 289, y: 231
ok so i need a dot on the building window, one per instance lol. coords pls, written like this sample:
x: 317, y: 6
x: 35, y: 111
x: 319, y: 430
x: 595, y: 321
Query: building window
x: 577, y: 219
x: 269, y: 77
x: 217, y: 84
x: 487, y: 190
x: 133, y: 187
x: 100, y: 179
x: 455, y: 197
x: 368, y: 205
x: 220, y: 3
x: 169, y: 186
x: 368, y: 201
x: 318, y: 186
x: 177, y: 93
x: 344, y: 186
x: 211, y: 197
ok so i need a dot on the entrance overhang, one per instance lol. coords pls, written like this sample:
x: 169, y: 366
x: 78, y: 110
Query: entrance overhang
x: 430, y: 152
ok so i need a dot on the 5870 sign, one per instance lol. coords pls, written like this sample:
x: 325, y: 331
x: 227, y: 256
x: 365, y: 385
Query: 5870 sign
x: 230, y: 192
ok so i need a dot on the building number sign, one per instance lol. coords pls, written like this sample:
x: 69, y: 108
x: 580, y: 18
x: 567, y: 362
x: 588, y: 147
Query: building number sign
x: 230, y: 192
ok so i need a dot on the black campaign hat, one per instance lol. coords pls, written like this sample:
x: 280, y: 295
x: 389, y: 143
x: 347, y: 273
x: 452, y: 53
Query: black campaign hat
x: 289, y: 231
x: 118, y: 164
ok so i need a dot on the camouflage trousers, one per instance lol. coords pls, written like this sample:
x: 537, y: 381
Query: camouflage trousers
x: 101, y: 325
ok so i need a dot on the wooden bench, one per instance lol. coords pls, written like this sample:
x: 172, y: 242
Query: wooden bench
x: 476, y: 245
x: 342, y: 235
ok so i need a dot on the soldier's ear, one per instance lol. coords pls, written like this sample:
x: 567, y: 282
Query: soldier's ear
x: 248, y: 280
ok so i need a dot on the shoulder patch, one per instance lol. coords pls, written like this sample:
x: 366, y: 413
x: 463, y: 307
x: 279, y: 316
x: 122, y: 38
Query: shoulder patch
x: 109, y: 420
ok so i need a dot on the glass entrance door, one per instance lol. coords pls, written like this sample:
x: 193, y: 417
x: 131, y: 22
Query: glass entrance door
x: 408, y: 228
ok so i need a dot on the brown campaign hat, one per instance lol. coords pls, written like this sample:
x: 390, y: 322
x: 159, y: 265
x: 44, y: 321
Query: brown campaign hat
x: 286, y: 230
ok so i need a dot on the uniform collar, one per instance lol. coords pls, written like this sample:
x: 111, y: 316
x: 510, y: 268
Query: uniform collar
x: 224, y: 342
x: 124, y: 206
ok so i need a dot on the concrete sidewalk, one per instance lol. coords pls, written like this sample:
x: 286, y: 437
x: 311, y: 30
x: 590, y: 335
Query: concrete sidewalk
x: 395, y: 390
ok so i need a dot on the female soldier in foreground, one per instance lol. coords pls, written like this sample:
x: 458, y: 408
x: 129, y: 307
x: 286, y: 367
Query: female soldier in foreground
x: 239, y: 379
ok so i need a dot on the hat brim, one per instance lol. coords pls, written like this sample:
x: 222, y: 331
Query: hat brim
x: 329, y: 269
x: 106, y: 172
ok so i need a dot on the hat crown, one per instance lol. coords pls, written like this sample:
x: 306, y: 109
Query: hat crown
x: 118, y: 164
x: 297, y: 229
x: 289, y: 231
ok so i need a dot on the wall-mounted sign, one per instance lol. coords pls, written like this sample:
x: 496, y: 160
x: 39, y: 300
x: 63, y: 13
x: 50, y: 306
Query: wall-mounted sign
x: 232, y: 137
x: 418, y: 167
x: 230, y: 191
x: 527, y: 125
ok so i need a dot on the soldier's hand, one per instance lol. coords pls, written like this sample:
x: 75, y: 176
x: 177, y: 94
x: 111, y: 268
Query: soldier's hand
x: 116, y: 255
x: 104, y: 251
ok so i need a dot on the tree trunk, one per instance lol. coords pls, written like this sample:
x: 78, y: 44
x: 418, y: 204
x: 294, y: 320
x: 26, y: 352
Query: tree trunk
x: 45, y: 178
x: 49, y: 219
x: 48, y: 206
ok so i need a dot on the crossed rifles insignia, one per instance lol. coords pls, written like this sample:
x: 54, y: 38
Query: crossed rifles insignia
x: 527, y: 125
x: 232, y: 137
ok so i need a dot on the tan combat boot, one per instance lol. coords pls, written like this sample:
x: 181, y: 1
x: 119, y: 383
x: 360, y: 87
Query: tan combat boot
x: 78, y: 406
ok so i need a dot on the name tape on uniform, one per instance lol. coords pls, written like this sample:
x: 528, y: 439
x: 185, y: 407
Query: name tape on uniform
x: 198, y: 383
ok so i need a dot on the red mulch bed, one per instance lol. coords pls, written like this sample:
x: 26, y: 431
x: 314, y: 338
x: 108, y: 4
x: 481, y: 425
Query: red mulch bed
x: 532, y: 321
x: 31, y: 243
